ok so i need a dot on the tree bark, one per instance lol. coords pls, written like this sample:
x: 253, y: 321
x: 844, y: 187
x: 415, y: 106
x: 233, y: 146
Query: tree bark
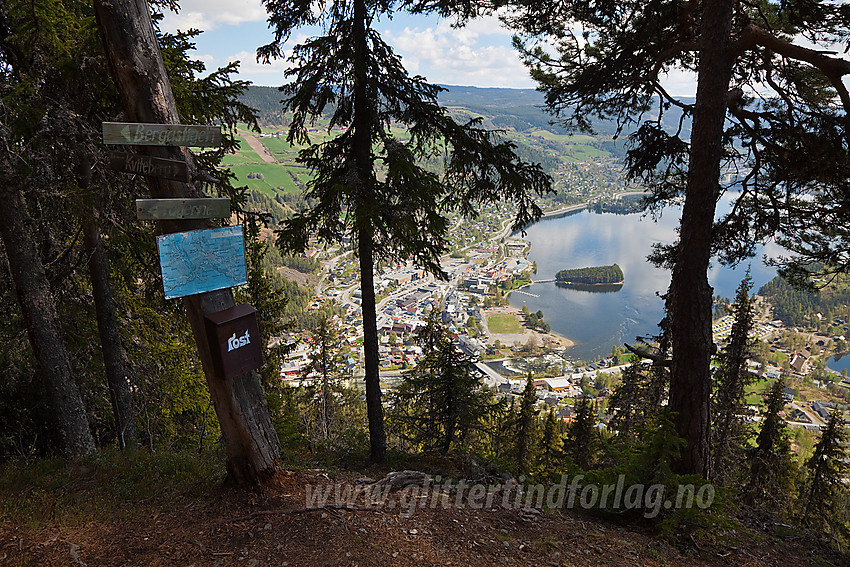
x: 43, y: 328
x: 365, y: 242
x: 689, y: 302
x: 110, y: 340
x: 374, y: 408
x: 250, y: 440
x: 107, y: 324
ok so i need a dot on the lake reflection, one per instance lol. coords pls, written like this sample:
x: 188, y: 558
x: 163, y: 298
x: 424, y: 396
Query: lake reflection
x: 598, y: 321
x: 591, y: 288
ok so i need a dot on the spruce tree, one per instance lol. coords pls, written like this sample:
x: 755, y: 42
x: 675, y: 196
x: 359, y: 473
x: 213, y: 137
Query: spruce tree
x: 582, y: 437
x: 326, y: 369
x: 526, y: 427
x: 370, y: 184
x: 730, y: 434
x: 441, y: 401
x: 637, y: 399
x: 824, y: 490
x: 770, y: 463
x: 551, y: 451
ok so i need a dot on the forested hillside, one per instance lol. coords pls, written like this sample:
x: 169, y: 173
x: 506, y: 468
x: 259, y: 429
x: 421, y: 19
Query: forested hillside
x: 816, y: 309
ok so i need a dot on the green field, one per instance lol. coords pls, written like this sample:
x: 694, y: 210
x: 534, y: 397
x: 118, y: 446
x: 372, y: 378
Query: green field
x: 755, y: 392
x: 504, y: 324
x: 563, y: 138
x: 583, y: 152
x: 247, y: 153
x: 278, y: 145
x: 235, y: 159
x: 275, y: 176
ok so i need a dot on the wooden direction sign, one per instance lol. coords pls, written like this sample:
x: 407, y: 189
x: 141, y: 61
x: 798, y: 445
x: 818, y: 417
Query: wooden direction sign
x: 149, y: 165
x: 178, y: 209
x: 135, y: 134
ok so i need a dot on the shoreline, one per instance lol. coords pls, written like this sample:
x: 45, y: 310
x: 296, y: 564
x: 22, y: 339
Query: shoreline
x: 621, y: 282
x: 551, y: 338
x: 563, y: 210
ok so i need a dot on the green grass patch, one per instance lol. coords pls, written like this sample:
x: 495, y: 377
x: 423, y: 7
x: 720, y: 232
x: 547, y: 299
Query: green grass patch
x: 250, y: 155
x: 236, y: 159
x: 59, y: 492
x: 278, y: 146
x: 503, y: 324
x: 581, y: 151
x: 276, y: 177
x: 756, y: 391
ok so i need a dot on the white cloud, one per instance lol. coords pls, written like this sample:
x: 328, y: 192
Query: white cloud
x: 478, y: 54
x: 208, y: 15
x: 680, y: 83
x: 248, y: 66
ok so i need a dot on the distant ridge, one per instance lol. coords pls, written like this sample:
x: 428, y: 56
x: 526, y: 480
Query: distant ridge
x: 503, y: 108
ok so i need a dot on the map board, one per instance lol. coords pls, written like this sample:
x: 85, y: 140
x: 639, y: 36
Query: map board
x: 201, y: 260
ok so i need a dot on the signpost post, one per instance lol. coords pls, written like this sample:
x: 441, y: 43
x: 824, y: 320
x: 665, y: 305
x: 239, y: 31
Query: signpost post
x: 197, y: 261
x: 140, y: 76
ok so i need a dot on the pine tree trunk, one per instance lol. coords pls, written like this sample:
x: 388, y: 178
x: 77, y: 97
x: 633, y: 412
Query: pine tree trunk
x: 110, y: 340
x: 365, y: 239
x: 42, y: 322
x: 689, y: 302
x: 250, y: 440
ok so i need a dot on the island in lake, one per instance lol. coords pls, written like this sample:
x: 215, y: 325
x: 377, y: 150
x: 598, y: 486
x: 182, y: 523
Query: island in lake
x: 596, y: 275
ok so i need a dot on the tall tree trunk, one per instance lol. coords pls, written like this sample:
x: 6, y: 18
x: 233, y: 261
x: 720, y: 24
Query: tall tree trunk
x: 107, y: 323
x: 689, y: 302
x: 365, y: 241
x: 42, y: 322
x: 110, y: 339
x: 140, y: 76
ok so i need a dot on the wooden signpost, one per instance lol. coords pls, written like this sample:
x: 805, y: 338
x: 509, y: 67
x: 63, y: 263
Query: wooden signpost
x: 178, y: 209
x: 197, y: 261
x: 149, y: 165
x: 137, y: 134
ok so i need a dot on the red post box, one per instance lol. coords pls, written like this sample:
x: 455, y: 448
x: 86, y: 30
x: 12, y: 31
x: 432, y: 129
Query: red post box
x: 234, y: 338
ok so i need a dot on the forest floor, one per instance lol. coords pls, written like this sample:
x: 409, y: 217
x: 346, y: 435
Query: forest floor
x: 152, y: 514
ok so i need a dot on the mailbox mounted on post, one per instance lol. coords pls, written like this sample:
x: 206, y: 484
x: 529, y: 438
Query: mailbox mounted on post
x: 234, y: 338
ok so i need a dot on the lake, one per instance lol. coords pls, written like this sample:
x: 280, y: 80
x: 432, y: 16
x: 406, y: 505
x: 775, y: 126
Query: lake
x: 598, y: 321
x: 839, y: 364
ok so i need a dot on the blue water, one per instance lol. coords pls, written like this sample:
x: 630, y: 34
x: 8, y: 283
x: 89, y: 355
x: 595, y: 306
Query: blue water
x: 843, y: 363
x: 598, y: 321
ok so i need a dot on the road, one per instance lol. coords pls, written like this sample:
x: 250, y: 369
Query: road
x: 815, y: 418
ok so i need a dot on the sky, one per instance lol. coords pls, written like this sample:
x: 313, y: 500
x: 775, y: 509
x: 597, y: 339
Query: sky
x: 479, y: 54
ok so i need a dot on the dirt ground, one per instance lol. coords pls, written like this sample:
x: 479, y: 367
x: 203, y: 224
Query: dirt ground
x: 258, y: 147
x: 225, y: 527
